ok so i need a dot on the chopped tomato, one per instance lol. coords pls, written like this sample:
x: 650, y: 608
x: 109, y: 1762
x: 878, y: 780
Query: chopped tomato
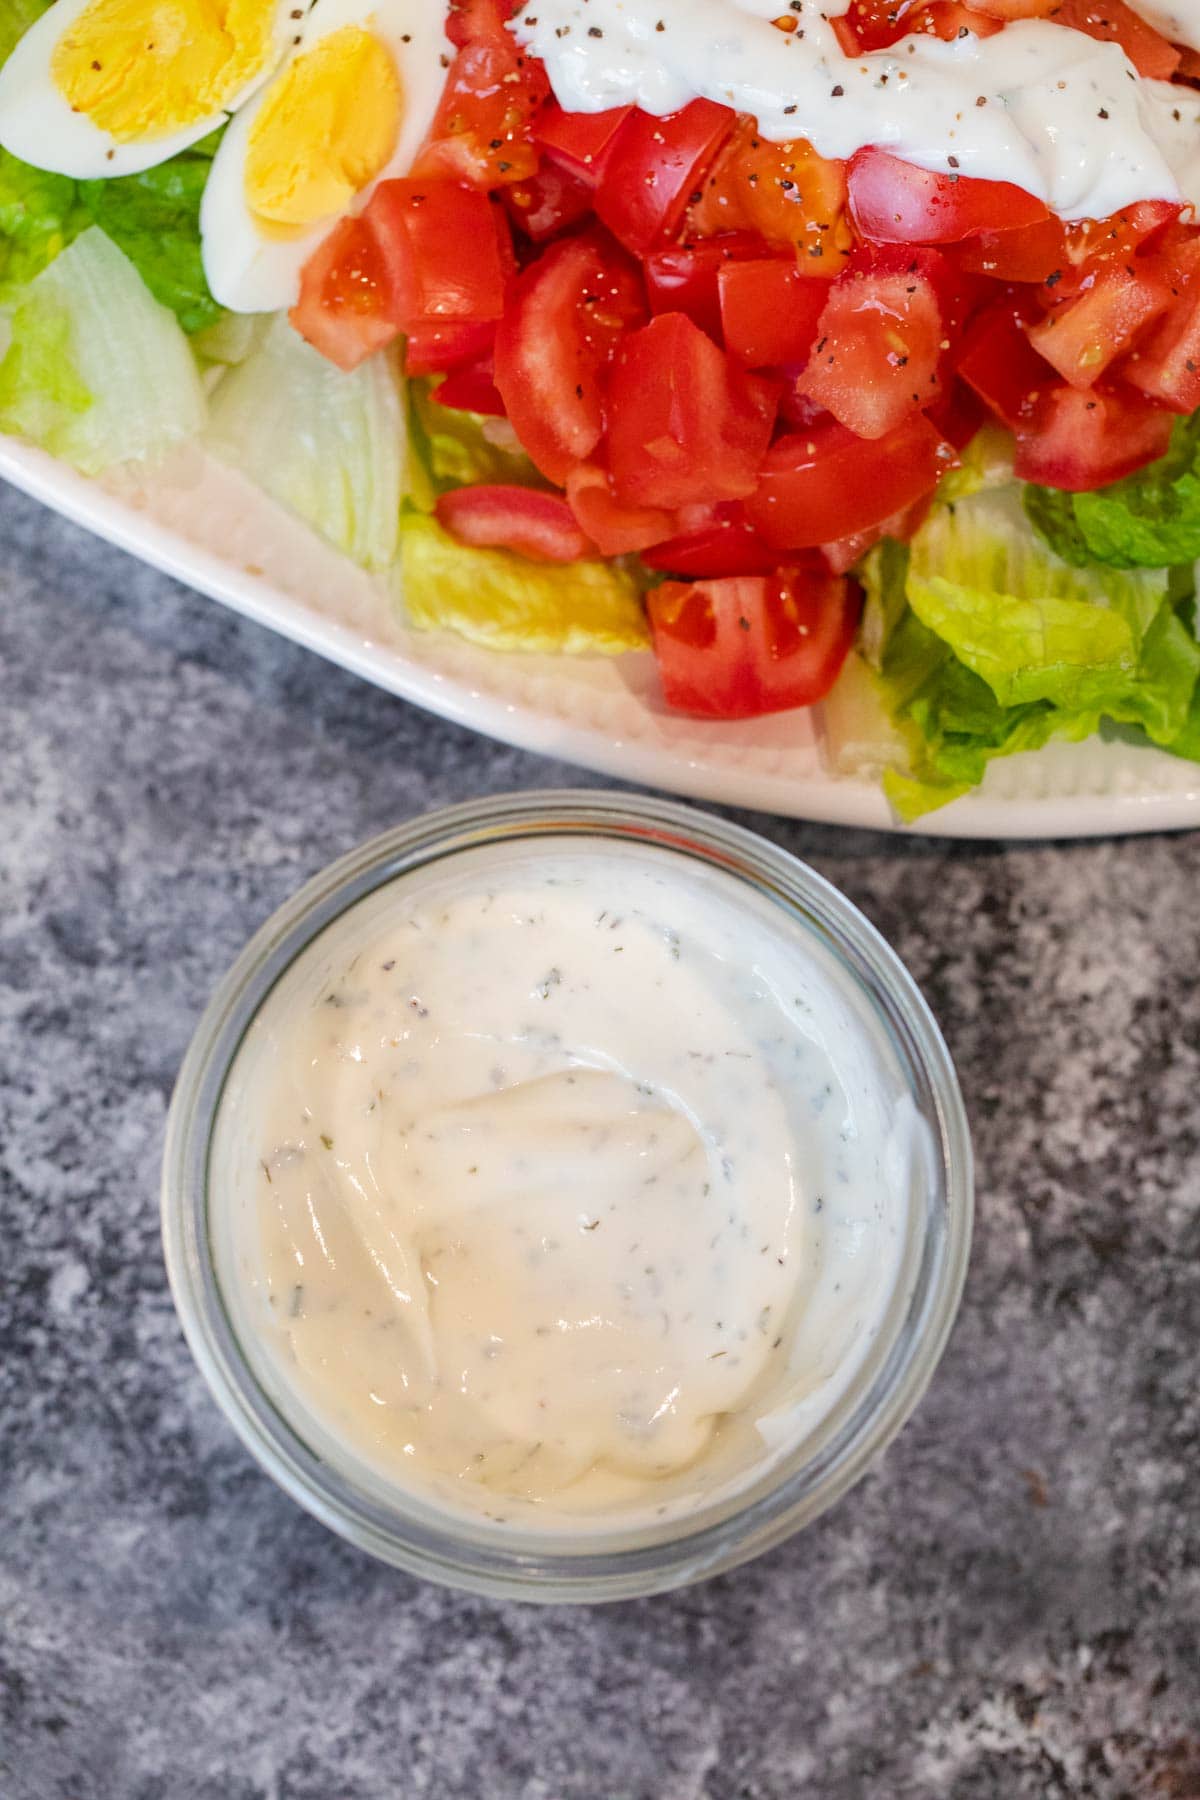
x: 999, y: 362
x: 724, y: 545
x: 564, y: 318
x: 472, y: 388
x: 1082, y: 440
x: 441, y: 246
x: 548, y: 203
x: 769, y: 312
x: 735, y: 648
x: 786, y: 193
x: 1167, y: 366
x: 539, y: 526
x: 1113, y: 22
x: 481, y: 132
x: 1034, y: 253
x: 1056, y: 253
x: 345, y: 309
x: 1112, y: 308
x: 431, y: 348
x: 474, y: 21
x: 616, y: 529
x: 684, y: 422
x: 653, y: 166
x: 580, y: 142
x: 879, y: 344
x: 842, y: 555
x: 892, y: 202
x: 826, y: 483
x: 958, y: 414
x: 877, y: 24
x: 683, y: 277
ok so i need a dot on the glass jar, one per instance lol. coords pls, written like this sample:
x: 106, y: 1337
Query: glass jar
x: 591, y: 1563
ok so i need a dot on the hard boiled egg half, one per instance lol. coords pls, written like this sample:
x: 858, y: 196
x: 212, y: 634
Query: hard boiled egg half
x: 108, y: 87
x: 348, y: 107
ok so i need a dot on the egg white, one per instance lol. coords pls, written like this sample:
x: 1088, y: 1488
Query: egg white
x: 249, y: 270
x: 38, y: 124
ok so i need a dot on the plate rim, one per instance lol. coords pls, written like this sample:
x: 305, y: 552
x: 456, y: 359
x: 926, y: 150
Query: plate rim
x: 824, y: 799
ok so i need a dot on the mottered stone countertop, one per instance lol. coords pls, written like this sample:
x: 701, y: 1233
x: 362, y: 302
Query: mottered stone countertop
x: 1007, y: 1608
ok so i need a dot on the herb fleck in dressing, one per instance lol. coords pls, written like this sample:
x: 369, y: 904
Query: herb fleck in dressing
x: 563, y: 1178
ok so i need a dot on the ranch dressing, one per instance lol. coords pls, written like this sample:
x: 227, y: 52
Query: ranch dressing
x: 1054, y: 111
x: 564, y: 1184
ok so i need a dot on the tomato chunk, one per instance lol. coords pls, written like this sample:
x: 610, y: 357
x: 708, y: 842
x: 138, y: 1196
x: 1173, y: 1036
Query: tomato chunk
x: 564, y: 318
x: 1113, y: 22
x: 786, y: 193
x: 473, y: 21
x: 472, y: 388
x: 684, y: 422
x: 580, y: 142
x: 345, y: 306
x: 826, y: 483
x: 725, y: 545
x: 432, y: 348
x: 615, y: 528
x: 893, y: 202
x: 999, y: 362
x: 1081, y: 338
x: 742, y: 646
x: 878, y: 347
x: 539, y: 526
x: 683, y: 277
x: 877, y: 24
x: 1167, y: 366
x: 548, y: 203
x: 652, y: 168
x: 481, y: 133
x: 1082, y: 440
x: 442, y: 252
x: 769, y: 312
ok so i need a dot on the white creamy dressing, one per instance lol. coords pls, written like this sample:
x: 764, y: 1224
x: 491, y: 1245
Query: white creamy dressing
x: 1049, y: 108
x: 565, y: 1179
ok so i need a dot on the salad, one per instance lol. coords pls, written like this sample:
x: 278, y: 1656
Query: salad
x: 843, y: 357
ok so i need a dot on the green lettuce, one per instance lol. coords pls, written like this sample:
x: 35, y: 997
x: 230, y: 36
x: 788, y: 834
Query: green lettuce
x: 39, y: 217
x: 1150, y: 520
x: 460, y: 449
x: 326, y: 444
x: 979, y: 641
x: 154, y: 217
x: 96, y: 371
x: 16, y: 16
x: 505, y: 602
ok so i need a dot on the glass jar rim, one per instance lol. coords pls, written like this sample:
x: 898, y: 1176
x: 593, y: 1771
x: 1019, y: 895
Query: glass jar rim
x: 558, y: 1567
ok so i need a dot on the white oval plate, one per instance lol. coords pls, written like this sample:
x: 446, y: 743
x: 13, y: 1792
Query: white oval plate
x: 208, y: 527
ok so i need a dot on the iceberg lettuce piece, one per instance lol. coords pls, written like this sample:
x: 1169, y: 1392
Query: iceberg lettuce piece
x: 505, y: 602
x: 328, y: 445
x: 96, y: 371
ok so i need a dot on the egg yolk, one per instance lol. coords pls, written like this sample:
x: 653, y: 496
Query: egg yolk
x: 142, y: 69
x: 327, y: 128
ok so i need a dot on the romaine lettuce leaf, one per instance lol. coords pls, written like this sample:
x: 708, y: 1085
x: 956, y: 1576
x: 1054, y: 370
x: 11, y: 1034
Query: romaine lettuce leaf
x: 463, y: 449
x: 327, y: 444
x: 96, y: 371
x: 16, y: 16
x: 154, y: 217
x: 39, y: 216
x: 1031, y: 625
x: 1150, y: 520
x: 504, y: 602
x: 998, y: 645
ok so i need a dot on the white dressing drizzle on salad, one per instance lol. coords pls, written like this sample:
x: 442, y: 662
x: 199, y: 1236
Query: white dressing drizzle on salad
x: 1061, y: 115
x: 565, y: 1178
